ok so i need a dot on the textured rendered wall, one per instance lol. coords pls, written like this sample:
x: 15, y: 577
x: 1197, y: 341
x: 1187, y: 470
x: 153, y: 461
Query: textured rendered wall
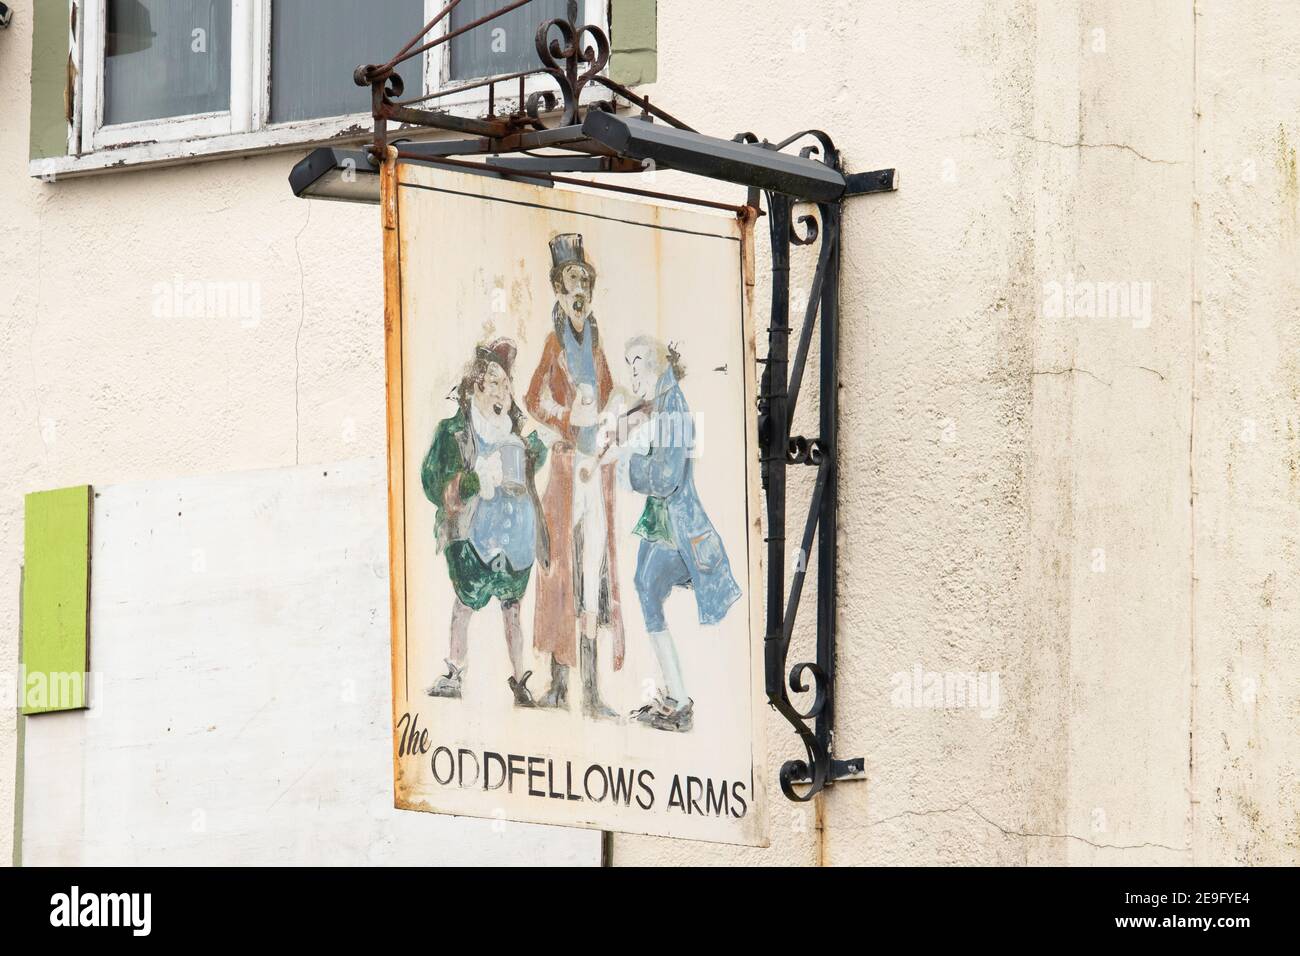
x: 1246, y: 461
x: 1077, y: 505
x: 99, y: 389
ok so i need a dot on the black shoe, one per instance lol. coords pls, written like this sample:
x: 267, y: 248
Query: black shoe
x: 592, y: 705
x: 523, y: 696
x: 667, y: 715
x: 658, y: 706
x: 557, y: 695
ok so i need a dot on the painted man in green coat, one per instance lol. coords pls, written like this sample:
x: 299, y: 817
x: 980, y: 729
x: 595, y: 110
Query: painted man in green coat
x: 479, y: 474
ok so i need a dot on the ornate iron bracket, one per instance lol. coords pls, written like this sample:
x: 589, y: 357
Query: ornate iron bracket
x: 604, y: 142
x: 781, y: 384
x: 573, y: 59
x: 574, y: 54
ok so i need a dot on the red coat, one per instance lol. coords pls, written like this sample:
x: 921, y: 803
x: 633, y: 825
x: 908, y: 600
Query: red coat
x: 549, y: 400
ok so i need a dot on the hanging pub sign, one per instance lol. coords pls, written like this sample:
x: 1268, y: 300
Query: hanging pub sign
x: 573, y: 508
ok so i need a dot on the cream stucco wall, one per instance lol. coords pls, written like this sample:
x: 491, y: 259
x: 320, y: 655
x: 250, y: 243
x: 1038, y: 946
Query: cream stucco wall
x: 1101, y: 511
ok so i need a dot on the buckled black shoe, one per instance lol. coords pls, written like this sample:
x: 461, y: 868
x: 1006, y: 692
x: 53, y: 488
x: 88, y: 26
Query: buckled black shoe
x: 658, y: 706
x: 523, y: 696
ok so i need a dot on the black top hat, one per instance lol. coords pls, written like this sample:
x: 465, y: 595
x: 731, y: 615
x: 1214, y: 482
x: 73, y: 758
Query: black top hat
x: 566, y: 249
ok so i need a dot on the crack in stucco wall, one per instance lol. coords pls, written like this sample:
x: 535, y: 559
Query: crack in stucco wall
x: 297, y: 337
x: 1025, y: 834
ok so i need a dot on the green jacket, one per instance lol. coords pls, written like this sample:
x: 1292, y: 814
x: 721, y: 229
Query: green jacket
x: 453, y: 453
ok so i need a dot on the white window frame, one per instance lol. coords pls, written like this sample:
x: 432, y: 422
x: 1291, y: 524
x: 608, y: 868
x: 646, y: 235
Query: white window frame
x: 245, y: 127
x: 97, y: 136
x: 437, y: 68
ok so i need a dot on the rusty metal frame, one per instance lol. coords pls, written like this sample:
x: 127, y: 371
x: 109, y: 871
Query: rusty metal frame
x: 596, y: 139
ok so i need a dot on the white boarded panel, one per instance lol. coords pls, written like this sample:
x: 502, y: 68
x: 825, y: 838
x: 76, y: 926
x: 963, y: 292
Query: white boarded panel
x: 240, y: 711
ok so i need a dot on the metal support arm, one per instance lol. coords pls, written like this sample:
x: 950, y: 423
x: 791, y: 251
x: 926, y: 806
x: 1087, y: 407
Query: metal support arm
x: 803, y: 779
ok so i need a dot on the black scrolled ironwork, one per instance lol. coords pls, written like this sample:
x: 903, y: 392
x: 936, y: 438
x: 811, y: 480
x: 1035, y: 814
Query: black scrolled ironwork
x: 570, y: 49
x: 802, y: 779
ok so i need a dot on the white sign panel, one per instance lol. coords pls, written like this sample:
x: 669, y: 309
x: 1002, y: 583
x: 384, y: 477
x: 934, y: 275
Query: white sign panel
x: 574, y: 509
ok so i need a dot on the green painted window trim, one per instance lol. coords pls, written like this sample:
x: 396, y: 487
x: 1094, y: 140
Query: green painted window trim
x: 50, y: 78
x: 56, y: 600
x: 634, y: 56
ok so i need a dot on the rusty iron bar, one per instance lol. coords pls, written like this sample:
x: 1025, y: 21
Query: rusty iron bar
x: 440, y: 120
x: 380, y: 142
x: 488, y: 81
x: 371, y: 74
x: 437, y: 18
x: 569, y: 138
x: 620, y: 90
x: 569, y: 181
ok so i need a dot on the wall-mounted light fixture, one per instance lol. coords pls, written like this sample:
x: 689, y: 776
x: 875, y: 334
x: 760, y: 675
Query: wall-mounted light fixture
x: 350, y: 175
x: 344, y: 175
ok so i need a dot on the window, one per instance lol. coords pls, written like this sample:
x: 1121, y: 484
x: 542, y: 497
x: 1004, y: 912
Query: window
x: 310, y: 53
x: 172, y: 61
x: 170, y: 79
x: 505, y: 45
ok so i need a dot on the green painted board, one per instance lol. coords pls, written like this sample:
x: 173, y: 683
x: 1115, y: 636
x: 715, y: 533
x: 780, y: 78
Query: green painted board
x: 49, y: 111
x: 633, y: 27
x: 56, y: 599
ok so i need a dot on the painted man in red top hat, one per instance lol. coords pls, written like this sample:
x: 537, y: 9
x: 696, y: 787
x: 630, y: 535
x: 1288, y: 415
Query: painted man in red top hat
x: 577, y: 594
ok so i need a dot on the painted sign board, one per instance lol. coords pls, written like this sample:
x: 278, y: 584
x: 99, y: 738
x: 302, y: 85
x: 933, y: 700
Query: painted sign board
x: 573, y: 508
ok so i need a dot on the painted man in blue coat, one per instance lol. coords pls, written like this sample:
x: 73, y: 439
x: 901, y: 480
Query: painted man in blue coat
x: 679, y: 548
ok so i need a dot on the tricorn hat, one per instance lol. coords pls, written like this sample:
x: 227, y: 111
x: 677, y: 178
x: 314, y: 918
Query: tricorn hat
x: 566, y: 249
x: 502, y: 351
